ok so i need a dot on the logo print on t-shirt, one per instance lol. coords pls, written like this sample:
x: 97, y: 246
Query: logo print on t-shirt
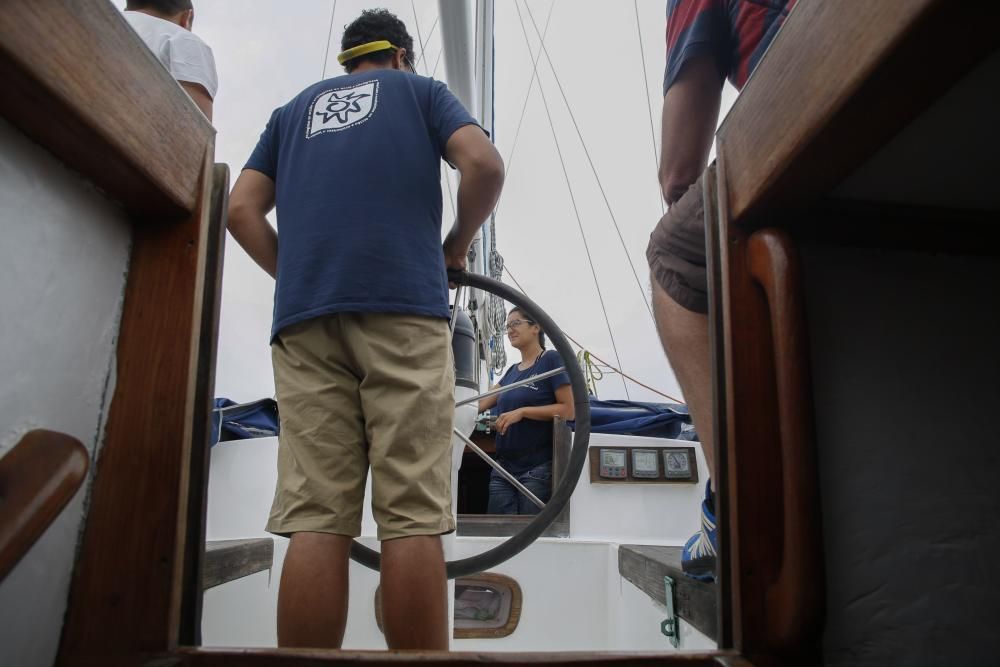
x: 341, y: 108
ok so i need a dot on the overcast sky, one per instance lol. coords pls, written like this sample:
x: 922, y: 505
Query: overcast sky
x: 269, y: 50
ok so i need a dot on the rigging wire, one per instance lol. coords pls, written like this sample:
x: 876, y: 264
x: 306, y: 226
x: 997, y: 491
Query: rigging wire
x: 420, y: 40
x: 527, y: 96
x: 436, y: 63
x: 645, y: 91
x: 423, y: 45
x: 329, y: 36
x: 590, y: 160
x: 416, y: 21
x: 572, y: 197
x: 599, y: 360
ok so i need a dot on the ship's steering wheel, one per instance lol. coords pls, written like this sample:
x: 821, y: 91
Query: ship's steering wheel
x: 578, y: 455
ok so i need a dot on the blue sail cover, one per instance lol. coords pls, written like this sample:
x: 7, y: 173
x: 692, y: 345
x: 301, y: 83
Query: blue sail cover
x: 654, y: 420
x: 231, y: 421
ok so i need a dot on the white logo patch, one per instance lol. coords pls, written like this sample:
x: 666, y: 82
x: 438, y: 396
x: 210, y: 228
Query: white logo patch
x: 341, y: 108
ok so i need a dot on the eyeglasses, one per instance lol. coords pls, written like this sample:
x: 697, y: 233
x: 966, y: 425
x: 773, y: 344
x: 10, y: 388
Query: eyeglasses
x: 513, y: 324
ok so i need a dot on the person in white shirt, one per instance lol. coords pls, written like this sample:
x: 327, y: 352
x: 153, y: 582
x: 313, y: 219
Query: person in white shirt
x: 165, y: 27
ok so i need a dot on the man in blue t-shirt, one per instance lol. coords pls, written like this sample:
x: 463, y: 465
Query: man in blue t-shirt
x: 360, y: 340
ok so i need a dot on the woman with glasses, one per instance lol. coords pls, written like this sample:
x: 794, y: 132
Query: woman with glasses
x: 524, y: 427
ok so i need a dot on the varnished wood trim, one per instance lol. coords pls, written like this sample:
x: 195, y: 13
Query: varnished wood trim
x: 38, y: 477
x: 210, y: 265
x: 795, y: 599
x: 79, y: 81
x: 206, y: 657
x: 127, y: 588
x: 749, y: 500
x: 725, y: 608
x: 315, y: 658
x: 835, y: 85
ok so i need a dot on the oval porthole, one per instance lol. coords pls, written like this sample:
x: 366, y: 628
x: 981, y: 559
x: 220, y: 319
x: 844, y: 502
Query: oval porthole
x: 487, y: 606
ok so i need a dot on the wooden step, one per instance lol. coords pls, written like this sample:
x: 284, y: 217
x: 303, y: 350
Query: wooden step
x: 228, y: 560
x: 645, y: 566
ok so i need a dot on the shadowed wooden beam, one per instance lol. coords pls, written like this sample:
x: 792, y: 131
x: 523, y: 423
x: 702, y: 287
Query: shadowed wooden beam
x: 847, y: 82
x: 228, y: 560
x: 91, y: 92
x: 645, y: 566
x: 38, y: 477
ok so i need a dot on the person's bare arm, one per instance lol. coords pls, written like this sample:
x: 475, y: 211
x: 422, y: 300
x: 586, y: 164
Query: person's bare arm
x: 690, y: 114
x: 563, y: 407
x: 199, y: 96
x: 251, y: 200
x: 488, y: 402
x: 481, y: 168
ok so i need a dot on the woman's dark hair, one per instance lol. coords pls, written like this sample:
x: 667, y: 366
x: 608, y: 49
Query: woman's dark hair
x: 165, y: 7
x: 541, y: 332
x: 374, y: 25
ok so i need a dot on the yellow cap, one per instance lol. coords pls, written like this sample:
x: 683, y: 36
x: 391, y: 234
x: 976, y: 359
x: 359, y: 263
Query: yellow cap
x: 363, y: 49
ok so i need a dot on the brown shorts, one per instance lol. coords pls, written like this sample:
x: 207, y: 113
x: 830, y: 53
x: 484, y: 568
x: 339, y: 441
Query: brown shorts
x: 357, y: 390
x: 676, y: 251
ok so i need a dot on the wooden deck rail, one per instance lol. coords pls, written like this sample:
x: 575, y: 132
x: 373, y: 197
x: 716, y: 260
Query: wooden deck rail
x: 38, y: 477
x: 795, y: 599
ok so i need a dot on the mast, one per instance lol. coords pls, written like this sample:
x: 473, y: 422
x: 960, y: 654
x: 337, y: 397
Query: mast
x: 467, y: 38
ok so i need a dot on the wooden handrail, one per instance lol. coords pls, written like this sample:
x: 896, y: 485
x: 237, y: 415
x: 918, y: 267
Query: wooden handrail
x: 796, y: 597
x: 38, y: 477
x: 93, y: 95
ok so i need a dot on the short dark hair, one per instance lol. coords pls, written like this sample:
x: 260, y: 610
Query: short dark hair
x: 374, y: 25
x: 527, y: 318
x: 165, y: 7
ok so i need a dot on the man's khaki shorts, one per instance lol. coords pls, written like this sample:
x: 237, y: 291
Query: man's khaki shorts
x: 357, y: 390
x: 676, y: 251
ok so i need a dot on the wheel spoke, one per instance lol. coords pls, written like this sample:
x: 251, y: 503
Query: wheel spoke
x: 454, y: 310
x: 512, y: 385
x: 500, y: 469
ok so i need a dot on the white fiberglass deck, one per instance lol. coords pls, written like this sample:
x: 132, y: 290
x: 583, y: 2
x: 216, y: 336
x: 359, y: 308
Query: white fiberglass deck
x: 573, y: 595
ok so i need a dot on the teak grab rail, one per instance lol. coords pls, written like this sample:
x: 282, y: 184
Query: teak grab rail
x: 38, y: 477
x: 795, y: 598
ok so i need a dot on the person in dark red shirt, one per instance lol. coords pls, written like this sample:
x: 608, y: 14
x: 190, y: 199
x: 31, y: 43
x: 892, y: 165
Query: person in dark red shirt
x: 708, y: 41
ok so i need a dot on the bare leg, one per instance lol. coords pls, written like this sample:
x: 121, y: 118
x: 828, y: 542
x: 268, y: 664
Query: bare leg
x: 414, y: 593
x: 684, y: 335
x: 312, y: 597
